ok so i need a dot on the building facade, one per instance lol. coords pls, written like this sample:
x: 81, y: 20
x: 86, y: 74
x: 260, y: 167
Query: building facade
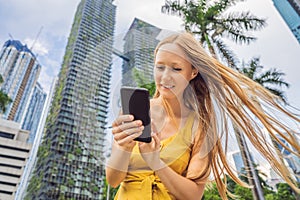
x: 14, y: 152
x: 69, y: 164
x: 140, y: 42
x: 34, y: 112
x: 20, y: 71
x: 36, y: 136
x: 290, y: 12
x: 292, y: 161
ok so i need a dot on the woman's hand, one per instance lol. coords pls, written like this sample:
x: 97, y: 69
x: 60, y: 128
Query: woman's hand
x: 150, y: 151
x: 125, y: 129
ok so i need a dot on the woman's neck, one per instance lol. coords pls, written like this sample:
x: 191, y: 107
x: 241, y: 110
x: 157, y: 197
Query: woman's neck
x: 177, y: 107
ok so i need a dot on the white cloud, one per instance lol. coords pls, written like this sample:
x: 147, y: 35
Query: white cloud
x: 37, y: 47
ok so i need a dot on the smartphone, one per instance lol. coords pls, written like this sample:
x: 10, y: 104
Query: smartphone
x: 135, y: 101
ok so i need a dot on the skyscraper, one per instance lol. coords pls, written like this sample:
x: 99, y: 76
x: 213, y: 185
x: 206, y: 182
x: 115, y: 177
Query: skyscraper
x: 20, y: 71
x: 292, y: 160
x: 290, y: 12
x: 140, y: 42
x: 69, y: 158
x: 34, y: 112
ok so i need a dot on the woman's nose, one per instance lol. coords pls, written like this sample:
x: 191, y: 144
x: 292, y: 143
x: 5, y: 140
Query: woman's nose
x: 166, y: 74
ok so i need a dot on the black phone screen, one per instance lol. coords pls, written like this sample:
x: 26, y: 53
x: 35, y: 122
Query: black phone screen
x: 135, y: 101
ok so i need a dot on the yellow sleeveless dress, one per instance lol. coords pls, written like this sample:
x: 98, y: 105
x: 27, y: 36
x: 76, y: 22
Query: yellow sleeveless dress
x: 141, y: 183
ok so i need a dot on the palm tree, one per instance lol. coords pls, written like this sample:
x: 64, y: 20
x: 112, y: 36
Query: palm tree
x: 4, y: 98
x: 209, y: 21
x: 271, y: 79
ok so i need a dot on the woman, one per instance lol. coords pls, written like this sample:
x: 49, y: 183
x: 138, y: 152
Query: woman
x: 195, y: 96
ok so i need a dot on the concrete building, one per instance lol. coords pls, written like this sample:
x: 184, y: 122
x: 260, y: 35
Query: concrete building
x: 14, y: 152
x: 69, y: 164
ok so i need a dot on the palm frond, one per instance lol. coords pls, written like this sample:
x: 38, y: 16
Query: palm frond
x: 172, y: 7
x: 226, y: 53
x: 235, y: 26
x: 278, y: 93
x: 269, y: 79
x: 274, y: 77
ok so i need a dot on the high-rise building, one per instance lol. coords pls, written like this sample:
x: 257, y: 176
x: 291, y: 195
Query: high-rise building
x: 290, y: 12
x: 238, y: 161
x: 37, y: 137
x: 292, y: 160
x: 140, y: 42
x: 69, y: 157
x: 14, y: 152
x: 20, y: 70
x: 34, y: 112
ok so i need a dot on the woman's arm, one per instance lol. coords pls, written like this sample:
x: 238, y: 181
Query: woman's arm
x: 117, y: 165
x: 125, y: 129
x: 179, y: 186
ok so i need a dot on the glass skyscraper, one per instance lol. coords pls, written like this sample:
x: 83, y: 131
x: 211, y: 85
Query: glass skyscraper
x: 69, y: 157
x: 20, y: 71
x: 290, y: 12
x: 292, y: 160
x: 140, y: 42
x: 34, y: 112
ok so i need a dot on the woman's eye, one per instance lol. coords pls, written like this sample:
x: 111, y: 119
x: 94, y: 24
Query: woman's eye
x: 177, y: 69
x: 160, y: 67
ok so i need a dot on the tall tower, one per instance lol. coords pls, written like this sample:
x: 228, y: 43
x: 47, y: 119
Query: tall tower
x: 140, y: 42
x: 290, y: 12
x: 20, y: 71
x: 69, y: 157
x: 34, y: 112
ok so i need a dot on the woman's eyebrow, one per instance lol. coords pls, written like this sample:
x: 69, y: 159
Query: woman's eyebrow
x: 171, y: 64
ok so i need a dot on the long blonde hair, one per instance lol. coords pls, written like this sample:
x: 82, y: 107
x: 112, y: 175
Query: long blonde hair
x: 218, y: 93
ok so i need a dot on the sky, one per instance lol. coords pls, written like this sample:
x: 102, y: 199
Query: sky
x: 48, y: 23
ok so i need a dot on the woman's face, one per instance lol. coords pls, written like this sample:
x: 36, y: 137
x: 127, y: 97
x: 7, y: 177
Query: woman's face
x: 172, y: 71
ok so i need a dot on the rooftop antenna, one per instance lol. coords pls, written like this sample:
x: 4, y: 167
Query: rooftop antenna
x: 36, y: 38
x: 11, y: 37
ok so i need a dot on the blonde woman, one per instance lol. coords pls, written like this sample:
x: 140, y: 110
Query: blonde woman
x: 196, y: 100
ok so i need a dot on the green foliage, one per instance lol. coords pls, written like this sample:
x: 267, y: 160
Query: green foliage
x: 284, y: 191
x: 143, y: 82
x: 112, y: 191
x: 271, y: 79
x: 243, y: 193
x: 211, y: 192
x: 4, y: 98
x: 71, y: 182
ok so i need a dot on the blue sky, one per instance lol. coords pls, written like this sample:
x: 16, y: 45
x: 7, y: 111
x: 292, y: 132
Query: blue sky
x: 276, y: 46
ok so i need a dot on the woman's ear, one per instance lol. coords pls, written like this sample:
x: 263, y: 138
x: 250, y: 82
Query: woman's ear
x: 194, y: 73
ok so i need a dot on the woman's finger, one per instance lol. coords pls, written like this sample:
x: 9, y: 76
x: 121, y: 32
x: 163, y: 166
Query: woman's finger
x: 128, y: 132
x: 126, y: 126
x: 128, y: 139
x: 156, y: 141
x: 121, y: 119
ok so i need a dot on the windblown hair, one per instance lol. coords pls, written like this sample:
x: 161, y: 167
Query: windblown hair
x: 222, y: 96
